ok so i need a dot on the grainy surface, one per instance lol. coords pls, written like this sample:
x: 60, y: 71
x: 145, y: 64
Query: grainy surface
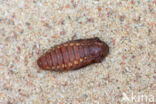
x: 28, y: 28
x: 73, y: 55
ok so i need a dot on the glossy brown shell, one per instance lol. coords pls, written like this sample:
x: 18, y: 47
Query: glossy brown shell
x: 74, y: 54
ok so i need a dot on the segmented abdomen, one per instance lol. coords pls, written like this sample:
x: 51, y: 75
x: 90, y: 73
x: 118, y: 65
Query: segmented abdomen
x: 67, y: 56
x: 74, y: 54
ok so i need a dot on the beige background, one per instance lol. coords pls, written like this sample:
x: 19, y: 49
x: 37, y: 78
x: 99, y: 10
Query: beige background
x: 30, y: 27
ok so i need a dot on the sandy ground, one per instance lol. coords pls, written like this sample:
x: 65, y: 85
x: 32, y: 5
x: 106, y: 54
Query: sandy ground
x: 30, y: 27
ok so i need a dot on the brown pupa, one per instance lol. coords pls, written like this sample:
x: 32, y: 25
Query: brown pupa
x: 74, y: 54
